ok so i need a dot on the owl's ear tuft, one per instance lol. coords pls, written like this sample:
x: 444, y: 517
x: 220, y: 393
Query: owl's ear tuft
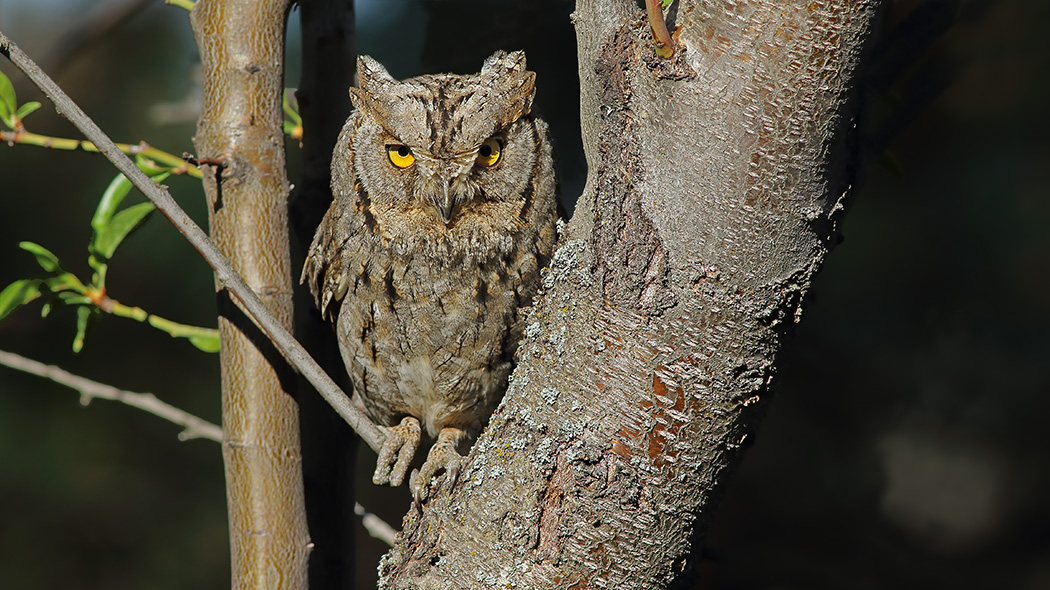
x: 514, y: 85
x: 372, y: 81
x: 501, y: 60
x: 371, y: 74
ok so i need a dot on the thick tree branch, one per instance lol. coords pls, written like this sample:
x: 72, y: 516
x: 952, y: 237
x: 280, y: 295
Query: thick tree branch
x: 715, y: 180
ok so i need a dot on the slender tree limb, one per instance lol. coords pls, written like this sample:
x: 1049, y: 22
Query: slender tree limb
x: 224, y: 271
x: 194, y: 427
x: 178, y: 165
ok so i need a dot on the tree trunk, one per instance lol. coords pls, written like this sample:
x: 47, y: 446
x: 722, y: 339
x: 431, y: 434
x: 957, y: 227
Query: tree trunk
x: 716, y: 178
x: 242, y: 52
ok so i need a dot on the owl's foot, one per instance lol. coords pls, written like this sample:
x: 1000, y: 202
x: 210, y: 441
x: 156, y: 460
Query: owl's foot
x: 442, y: 455
x: 397, y: 452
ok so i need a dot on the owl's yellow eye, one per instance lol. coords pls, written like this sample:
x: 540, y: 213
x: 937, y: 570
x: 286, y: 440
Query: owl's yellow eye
x: 400, y: 155
x: 490, y: 152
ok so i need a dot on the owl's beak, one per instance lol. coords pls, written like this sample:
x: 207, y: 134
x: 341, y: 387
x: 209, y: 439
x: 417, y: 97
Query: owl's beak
x: 445, y: 203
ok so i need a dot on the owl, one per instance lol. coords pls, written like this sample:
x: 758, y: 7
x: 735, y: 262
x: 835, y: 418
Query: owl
x: 443, y: 214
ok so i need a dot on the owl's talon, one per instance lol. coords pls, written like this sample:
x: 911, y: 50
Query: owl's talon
x: 413, y: 484
x: 453, y: 471
x: 397, y: 452
x: 442, y: 455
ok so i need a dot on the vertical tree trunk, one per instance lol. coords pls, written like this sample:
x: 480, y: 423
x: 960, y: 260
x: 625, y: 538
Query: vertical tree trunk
x: 715, y: 181
x: 242, y: 51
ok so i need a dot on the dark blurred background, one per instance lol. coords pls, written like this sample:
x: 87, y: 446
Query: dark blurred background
x: 908, y: 445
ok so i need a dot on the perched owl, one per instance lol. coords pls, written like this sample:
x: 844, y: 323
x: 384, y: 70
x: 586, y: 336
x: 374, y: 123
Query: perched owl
x: 444, y: 211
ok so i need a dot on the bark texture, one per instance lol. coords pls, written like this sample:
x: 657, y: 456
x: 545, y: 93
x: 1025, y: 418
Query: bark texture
x: 715, y: 181
x: 242, y: 46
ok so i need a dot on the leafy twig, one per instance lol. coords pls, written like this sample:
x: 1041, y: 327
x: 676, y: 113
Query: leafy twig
x: 89, y: 390
x: 13, y: 116
x: 225, y: 274
x: 110, y: 225
x: 204, y: 338
x: 177, y: 164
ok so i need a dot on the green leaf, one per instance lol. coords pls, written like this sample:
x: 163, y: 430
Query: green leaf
x: 149, y: 166
x: 111, y: 200
x: 71, y: 298
x: 84, y: 317
x: 26, y: 109
x: 665, y: 3
x: 8, y: 102
x: 17, y: 294
x: 291, y: 106
x: 122, y: 224
x: 65, y: 281
x: 206, y: 343
x: 44, y: 257
x: 187, y: 5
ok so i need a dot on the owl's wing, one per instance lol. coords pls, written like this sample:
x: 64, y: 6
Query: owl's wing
x: 324, y: 271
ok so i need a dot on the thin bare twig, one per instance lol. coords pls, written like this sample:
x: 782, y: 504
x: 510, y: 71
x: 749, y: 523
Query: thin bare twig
x: 224, y: 271
x: 376, y: 527
x: 194, y: 427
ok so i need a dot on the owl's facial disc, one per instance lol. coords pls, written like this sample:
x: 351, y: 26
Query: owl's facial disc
x: 446, y: 184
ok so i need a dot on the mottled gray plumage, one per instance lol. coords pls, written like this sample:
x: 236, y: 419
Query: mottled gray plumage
x: 424, y: 267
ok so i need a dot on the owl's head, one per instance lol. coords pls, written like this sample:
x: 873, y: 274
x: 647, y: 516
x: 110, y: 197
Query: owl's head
x: 444, y: 154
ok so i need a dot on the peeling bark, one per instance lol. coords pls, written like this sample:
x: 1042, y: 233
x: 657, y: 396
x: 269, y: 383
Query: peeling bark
x: 715, y: 180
